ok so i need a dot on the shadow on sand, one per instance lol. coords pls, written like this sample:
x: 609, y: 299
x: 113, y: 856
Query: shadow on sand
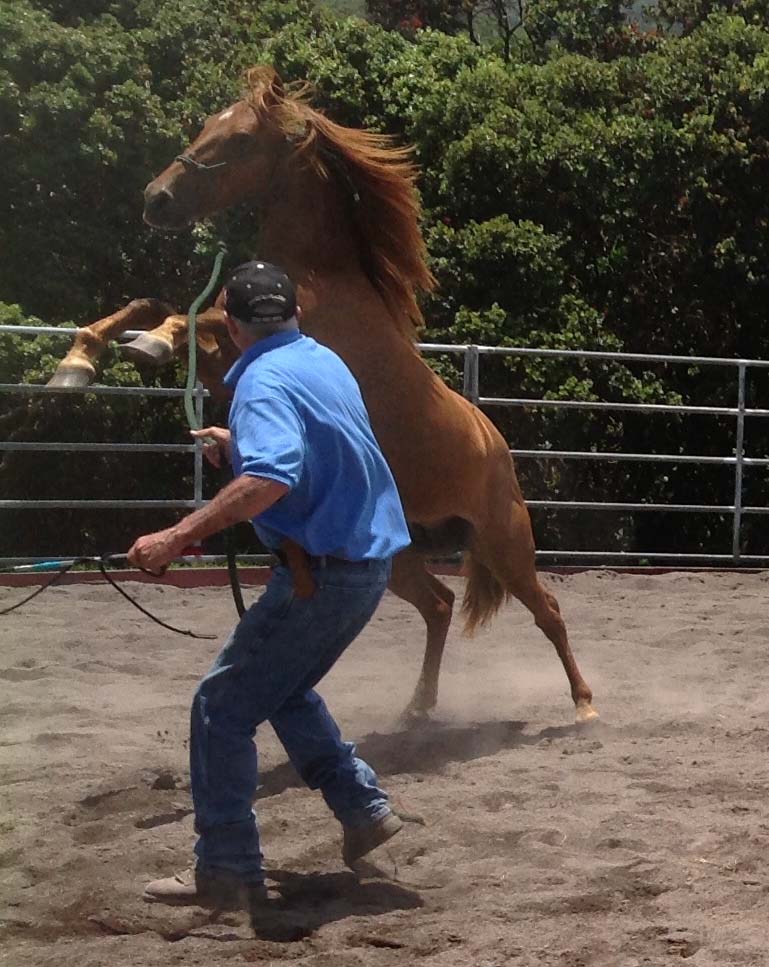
x: 427, y: 748
x: 310, y: 900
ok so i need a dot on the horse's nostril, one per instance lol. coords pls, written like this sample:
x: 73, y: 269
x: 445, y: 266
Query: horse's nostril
x: 157, y: 200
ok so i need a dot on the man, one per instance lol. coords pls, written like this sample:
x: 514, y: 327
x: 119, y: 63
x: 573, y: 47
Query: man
x: 308, y: 469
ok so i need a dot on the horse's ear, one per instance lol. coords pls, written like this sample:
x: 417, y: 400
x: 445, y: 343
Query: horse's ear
x: 265, y: 87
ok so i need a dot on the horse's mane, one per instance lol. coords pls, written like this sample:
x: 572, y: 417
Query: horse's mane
x: 380, y: 177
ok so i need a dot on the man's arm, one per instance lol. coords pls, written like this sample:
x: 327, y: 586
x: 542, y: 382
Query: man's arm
x: 243, y: 498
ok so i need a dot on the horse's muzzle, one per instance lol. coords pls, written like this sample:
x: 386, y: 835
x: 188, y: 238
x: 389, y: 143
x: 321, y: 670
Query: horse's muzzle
x: 159, y: 209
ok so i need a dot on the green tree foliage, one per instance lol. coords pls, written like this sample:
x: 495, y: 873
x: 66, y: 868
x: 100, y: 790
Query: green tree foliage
x: 90, y: 110
x: 412, y: 15
x: 599, y: 185
x: 686, y: 15
x: 578, y: 26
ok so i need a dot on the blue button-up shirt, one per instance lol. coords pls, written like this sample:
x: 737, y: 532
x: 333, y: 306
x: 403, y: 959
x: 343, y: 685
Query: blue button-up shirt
x: 298, y: 417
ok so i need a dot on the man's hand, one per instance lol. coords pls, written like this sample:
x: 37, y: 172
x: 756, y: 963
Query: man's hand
x: 154, y: 552
x: 217, y: 444
x: 242, y: 499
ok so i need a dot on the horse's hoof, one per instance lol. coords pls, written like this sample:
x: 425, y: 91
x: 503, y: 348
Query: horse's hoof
x: 147, y: 350
x: 586, y: 713
x: 72, y: 377
x: 414, y: 716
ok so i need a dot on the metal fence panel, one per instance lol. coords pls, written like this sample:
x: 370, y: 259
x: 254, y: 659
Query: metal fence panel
x: 471, y: 384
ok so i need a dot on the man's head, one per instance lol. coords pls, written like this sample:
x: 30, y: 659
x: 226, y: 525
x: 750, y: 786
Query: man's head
x: 260, y: 300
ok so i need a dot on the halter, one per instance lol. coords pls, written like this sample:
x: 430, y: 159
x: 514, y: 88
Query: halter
x: 191, y: 162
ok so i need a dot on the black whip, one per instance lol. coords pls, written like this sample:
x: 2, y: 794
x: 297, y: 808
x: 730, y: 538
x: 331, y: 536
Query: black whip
x: 101, y: 561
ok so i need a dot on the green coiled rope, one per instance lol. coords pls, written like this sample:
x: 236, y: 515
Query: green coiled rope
x: 192, y: 344
x: 192, y: 419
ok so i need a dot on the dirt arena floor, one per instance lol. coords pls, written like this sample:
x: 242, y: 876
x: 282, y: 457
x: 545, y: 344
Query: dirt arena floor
x: 641, y: 840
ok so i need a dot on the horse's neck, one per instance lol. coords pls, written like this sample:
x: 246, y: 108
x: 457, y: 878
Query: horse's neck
x: 304, y: 227
x: 305, y: 230
x: 348, y: 315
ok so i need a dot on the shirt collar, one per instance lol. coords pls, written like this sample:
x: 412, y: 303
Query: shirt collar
x: 260, y: 347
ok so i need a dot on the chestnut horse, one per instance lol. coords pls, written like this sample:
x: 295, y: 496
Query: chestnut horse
x: 338, y: 211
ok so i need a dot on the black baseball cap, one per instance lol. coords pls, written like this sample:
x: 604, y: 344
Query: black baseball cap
x: 258, y: 292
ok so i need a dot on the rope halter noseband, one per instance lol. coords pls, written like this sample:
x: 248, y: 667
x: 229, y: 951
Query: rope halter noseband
x: 190, y: 162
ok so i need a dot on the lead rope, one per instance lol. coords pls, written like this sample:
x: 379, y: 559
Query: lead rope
x: 192, y: 419
x: 48, y: 584
x: 192, y: 343
x: 102, y: 561
x: 179, y: 631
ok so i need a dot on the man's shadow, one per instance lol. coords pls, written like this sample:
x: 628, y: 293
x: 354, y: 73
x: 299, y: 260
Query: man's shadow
x: 307, y: 901
x: 427, y: 749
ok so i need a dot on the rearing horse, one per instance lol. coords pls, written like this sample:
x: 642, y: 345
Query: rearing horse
x: 338, y: 210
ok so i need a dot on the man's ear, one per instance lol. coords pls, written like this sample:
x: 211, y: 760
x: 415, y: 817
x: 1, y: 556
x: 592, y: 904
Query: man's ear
x: 299, y: 313
x: 232, y: 327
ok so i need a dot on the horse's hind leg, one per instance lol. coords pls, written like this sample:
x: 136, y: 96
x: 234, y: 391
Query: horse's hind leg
x: 412, y: 582
x: 506, y: 553
x: 547, y: 616
x: 78, y: 366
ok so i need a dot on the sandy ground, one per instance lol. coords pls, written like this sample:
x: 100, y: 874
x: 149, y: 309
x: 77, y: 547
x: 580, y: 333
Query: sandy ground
x: 638, y: 841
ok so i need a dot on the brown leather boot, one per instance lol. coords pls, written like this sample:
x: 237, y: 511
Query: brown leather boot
x: 359, y: 840
x: 220, y: 889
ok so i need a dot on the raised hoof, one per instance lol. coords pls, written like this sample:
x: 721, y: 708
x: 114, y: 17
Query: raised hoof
x: 586, y: 713
x: 72, y: 377
x: 147, y: 350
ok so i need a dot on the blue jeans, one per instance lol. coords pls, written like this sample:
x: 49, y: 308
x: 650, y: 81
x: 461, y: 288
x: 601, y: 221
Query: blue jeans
x: 278, y: 652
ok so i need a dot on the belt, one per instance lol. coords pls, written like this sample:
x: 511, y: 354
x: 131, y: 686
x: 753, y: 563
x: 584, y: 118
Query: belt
x: 327, y: 560
x: 322, y: 560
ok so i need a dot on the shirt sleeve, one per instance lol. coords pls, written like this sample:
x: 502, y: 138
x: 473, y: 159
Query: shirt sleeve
x: 270, y: 439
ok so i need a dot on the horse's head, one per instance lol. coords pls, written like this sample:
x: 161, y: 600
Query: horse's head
x: 350, y: 190
x: 233, y: 158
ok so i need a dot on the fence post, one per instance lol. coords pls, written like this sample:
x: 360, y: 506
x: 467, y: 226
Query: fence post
x: 470, y: 388
x: 197, y: 495
x: 738, y: 467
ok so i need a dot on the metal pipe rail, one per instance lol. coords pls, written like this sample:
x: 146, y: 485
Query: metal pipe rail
x: 169, y: 392
x: 609, y: 456
x: 620, y: 356
x: 66, y: 331
x: 628, y: 407
x: 659, y: 508
x: 471, y: 389
x: 668, y: 557
x: 471, y: 356
x: 248, y: 560
x: 95, y: 389
x: 98, y: 447
x: 99, y: 505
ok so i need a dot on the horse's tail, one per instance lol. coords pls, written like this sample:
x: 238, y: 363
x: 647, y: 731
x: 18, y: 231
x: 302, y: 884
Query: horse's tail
x: 484, y: 594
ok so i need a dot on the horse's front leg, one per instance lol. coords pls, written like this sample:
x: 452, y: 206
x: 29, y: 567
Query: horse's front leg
x: 78, y: 368
x: 159, y: 346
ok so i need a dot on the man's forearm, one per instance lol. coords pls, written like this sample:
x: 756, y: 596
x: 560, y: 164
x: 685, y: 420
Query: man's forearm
x: 245, y: 497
